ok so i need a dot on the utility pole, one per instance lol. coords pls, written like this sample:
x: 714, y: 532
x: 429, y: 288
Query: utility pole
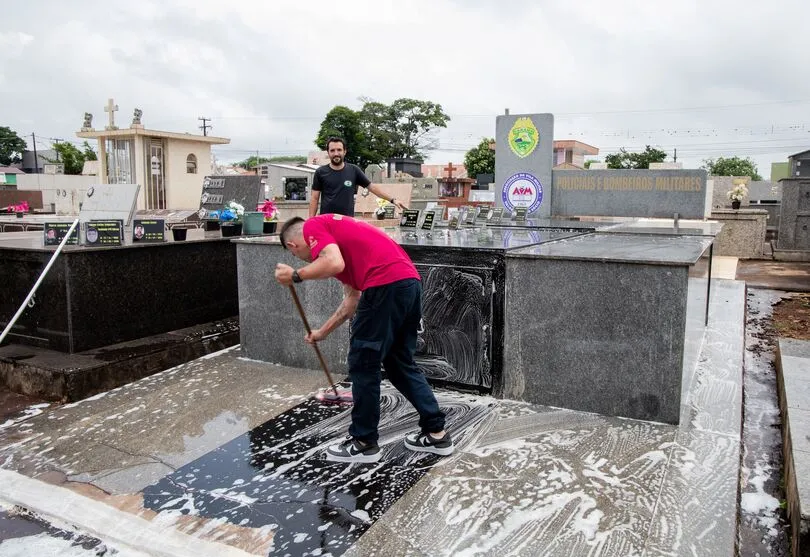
x: 36, y: 158
x: 205, y: 127
x: 676, y: 155
x: 56, y: 141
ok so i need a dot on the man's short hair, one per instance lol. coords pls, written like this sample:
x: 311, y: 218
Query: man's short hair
x: 287, y: 225
x: 335, y: 139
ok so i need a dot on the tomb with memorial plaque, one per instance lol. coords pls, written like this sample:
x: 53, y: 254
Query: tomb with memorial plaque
x: 219, y: 191
x: 113, y: 286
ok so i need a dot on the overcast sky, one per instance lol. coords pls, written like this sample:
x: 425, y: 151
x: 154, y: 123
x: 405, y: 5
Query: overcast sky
x: 710, y: 78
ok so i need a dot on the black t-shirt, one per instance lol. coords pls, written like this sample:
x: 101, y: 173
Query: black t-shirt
x: 338, y: 187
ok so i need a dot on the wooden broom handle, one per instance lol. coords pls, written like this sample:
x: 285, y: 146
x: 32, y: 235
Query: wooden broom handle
x: 314, y: 344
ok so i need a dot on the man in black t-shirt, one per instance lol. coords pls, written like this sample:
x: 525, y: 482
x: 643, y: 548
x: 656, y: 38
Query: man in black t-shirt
x: 335, y: 184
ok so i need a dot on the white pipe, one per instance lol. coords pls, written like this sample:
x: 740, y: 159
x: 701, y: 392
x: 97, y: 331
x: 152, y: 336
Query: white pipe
x: 39, y: 280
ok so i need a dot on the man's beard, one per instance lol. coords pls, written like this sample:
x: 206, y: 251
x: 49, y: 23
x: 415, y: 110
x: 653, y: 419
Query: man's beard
x: 336, y: 160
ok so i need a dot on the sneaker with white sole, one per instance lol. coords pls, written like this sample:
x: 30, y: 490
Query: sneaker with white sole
x: 351, y: 450
x: 425, y: 443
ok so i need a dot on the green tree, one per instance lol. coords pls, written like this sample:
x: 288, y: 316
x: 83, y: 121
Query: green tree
x: 480, y: 159
x: 378, y: 132
x: 11, y: 146
x: 589, y: 162
x: 732, y: 166
x: 295, y: 159
x: 415, y: 124
x: 641, y: 160
x: 89, y: 152
x: 344, y: 122
x: 252, y: 161
x: 72, y: 157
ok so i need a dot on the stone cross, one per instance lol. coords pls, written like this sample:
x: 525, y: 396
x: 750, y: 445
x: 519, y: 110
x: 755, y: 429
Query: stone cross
x: 111, y: 108
x: 450, y: 168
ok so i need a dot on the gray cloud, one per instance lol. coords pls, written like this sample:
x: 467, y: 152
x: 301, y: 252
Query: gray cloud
x: 268, y: 72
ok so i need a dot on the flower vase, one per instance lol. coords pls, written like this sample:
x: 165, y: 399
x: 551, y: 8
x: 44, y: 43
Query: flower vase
x: 179, y: 234
x: 269, y: 227
x: 232, y: 229
x: 735, y: 205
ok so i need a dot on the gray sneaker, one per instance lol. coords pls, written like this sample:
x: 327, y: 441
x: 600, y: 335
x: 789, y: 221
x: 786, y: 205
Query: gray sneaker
x: 351, y: 450
x: 424, y: 443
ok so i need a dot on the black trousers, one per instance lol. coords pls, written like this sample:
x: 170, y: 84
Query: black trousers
x: 384, y: 333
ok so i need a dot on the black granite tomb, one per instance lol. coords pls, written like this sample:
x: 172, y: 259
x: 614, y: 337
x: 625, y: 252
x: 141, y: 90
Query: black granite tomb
x: 97, y: 296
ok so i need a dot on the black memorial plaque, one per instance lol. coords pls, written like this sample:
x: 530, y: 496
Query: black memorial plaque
x: 410, y: 217
x: 148, y: 231
x: 520, y: 214
x: 389, y: 211
x: 219, y: 191
x: 472, y: 214
x: 495, y: 216
x: 453, y: 223
x: 104, y: 232
x: 429, y: 221
x: 55, y: 232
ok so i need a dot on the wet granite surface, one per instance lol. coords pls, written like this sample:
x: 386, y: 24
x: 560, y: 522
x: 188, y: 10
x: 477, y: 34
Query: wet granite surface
x: 667, y: 227
x: 611, y: 342
x: 276, y: 474
x: 630, y: 248
x: 525, y: 480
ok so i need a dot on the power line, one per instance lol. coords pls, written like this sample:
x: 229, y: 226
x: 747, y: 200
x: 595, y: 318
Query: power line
x: 205, y: 125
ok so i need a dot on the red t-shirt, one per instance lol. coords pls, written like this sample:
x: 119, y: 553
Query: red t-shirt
x: 371, y: 257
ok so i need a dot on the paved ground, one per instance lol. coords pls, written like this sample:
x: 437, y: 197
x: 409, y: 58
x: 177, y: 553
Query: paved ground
x: 178, y: 463
x: 223, y: 456
x: 775, y: 275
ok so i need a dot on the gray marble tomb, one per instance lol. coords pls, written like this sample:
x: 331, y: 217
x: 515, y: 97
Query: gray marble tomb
x: 603, y: 321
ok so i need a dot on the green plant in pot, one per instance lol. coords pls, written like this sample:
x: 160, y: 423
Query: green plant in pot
x: 231, y: 219
x: 270, y: 211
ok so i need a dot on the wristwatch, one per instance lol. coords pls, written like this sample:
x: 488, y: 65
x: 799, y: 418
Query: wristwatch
x: 296, y: 277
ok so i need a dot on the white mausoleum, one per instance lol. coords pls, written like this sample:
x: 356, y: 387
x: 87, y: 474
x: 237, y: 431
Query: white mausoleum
x: 169, y: 166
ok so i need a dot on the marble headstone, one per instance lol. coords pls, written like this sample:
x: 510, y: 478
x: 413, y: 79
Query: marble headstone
x: 109, y: 202
x: 218, y: 191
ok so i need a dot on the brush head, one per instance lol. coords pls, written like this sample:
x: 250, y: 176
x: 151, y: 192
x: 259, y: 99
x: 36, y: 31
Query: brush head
x: 343, y: 396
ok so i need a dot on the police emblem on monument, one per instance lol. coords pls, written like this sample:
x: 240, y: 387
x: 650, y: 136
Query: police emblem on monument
x: 523, y: 137
x: 522, y: 190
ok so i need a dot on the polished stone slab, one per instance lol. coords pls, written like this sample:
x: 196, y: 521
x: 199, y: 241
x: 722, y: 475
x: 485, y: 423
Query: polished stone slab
x: 276, y: 477
x: 793, y: 365
x: 667, y: 227
x: 97, y: 296
x: 526, y: 479
x: 579, y: 224
x: 628, y: 248
x: 474, y: 239
x: 611, y: 342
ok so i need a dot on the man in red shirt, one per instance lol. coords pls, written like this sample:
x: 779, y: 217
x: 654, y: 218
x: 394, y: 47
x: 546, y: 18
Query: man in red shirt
x: 383, y: 291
